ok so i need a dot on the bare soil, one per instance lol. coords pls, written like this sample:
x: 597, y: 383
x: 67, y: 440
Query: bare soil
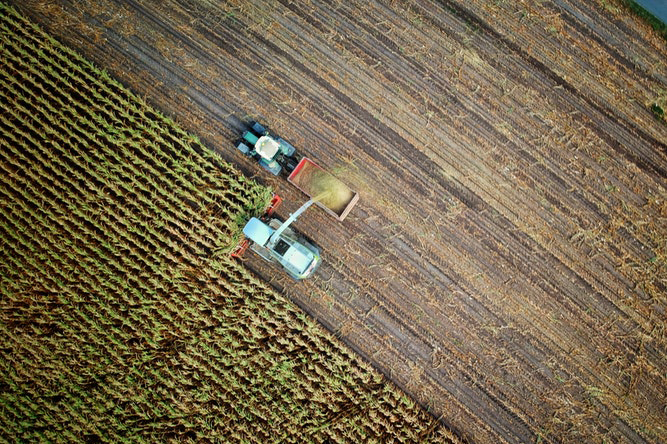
x: 505, y: 264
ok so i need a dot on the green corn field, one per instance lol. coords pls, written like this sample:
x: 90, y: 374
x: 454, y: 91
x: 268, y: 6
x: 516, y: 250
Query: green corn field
x: 122, y: 316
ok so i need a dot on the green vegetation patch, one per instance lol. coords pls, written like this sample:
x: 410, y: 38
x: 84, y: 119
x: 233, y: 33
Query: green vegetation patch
x: 122, y: 317
x: 659, y: 106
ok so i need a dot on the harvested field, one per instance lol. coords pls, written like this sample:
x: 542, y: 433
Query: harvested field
x: 506, y: 261
x: 122, y: 316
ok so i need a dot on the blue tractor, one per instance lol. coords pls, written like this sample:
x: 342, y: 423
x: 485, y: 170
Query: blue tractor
x: 272, y: 153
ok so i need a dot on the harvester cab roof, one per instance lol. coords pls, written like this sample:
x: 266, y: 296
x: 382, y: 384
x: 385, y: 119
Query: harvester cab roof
x: 257, y: 231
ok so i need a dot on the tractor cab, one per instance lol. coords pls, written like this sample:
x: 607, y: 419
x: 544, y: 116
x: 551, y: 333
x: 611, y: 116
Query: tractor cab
x: 267, y: 147
x: 273, y: 153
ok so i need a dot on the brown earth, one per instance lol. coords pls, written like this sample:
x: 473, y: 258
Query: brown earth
x: 506, y: 261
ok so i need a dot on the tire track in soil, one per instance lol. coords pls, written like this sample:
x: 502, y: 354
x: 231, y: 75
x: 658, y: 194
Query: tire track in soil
x: 481, y: 220
x: 393, y: 310
x: 552, y: 259
x: 582, y: 22
x: 387, y: 323
x: 598, y: 110
x: 494, y: 134
x: 550, y: 174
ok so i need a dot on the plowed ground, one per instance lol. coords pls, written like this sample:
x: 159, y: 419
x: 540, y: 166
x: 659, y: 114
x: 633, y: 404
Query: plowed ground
x: 506, y: 262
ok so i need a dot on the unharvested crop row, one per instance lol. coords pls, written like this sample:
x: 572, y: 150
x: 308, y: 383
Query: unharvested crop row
x: 121, y: 316
x: 119, y: 161
x: 515, y: 289
x: 151, y: 124
x: 128, y: 188
x: 84, y: 75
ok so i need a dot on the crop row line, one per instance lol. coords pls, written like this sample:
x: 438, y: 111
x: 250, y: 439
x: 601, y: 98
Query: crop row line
x: 169, y: 327
x: 186, y: 169
x: 29, y: 369
x: 84, y: 394
x: 175, y: 310
x: 203, y: 154
x: 81, y: 69
x: 164, y: 192
x: 100, y: 281
x: 99, y: 192
x: 73, y: 206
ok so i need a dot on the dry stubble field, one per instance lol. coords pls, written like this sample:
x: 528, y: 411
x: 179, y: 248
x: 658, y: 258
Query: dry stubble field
x: 506, y: 262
